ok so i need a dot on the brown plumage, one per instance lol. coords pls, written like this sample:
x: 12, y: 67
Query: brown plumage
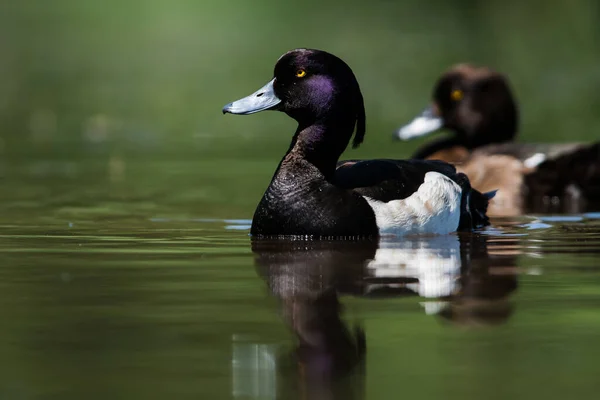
x: 477, y: 105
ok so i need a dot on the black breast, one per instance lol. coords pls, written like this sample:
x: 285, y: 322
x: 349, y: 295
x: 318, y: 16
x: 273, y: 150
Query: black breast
x: 300, y: 201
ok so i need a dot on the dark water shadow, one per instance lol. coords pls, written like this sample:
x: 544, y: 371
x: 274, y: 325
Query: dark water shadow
x: 308, y: 278
x: 458, y: 277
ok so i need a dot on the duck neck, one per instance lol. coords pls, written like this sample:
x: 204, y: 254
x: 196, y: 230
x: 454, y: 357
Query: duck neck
x: 321, y: 143
x: 495, y: 132
x: 437, y: 145
x: 497, y: 126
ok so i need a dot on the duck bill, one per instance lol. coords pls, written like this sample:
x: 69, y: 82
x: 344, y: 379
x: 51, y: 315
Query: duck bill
x: 261, y: 100
x: 425, y: 123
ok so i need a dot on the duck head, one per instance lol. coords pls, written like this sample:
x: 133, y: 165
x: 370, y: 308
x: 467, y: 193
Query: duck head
x: 476, y: 104
x: 315, y: 88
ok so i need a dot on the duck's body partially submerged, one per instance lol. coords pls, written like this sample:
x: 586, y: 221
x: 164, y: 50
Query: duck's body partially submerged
x: 477, y: 105
x: 311, y: 194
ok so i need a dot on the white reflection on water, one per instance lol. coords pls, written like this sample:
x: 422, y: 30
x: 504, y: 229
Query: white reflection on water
x: 434, y: 261
x: 254, y: 369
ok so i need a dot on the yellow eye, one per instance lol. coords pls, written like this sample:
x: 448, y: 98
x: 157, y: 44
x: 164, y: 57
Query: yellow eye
x: 300, y: 73
x: 457, y: 95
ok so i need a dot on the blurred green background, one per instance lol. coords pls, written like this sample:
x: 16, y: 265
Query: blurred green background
x: 113, y: 151
x: 132, y: 90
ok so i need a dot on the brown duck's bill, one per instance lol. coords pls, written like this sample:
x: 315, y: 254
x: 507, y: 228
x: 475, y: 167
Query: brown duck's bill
x: 425, y: 123
x: 263, y: 99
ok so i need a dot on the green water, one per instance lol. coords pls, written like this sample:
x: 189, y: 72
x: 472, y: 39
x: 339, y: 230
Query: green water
x: 120, y: 288
x: 126, y: 270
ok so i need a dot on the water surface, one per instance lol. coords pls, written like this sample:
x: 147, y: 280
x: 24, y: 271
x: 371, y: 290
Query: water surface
x: 110, y: 306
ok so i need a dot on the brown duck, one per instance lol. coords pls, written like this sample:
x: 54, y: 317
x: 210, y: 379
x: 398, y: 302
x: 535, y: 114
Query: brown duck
x: 477, y: 105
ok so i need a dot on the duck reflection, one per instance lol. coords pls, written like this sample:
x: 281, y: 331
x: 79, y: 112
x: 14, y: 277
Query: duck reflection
x: 307, y: 278
x: 461, y: 278
x: 457, y: 276
x: 488, y: 277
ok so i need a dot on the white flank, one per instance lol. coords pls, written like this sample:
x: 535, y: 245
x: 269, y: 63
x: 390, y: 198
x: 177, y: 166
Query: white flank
x: 434, y: 208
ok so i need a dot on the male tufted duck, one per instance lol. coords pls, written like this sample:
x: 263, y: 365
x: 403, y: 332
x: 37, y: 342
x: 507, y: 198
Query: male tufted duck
x: 477, y: 105
x: 312, y: 195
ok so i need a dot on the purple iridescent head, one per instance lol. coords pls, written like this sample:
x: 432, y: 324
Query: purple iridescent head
x: 310, y: 86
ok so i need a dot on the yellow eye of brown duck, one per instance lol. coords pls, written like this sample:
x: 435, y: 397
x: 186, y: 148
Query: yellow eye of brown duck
x: 457, y: 95
x: 300, y: 73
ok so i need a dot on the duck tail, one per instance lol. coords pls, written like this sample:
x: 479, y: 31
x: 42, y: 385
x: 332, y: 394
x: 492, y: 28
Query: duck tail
x: 474, y: 205
x: 478, y: 206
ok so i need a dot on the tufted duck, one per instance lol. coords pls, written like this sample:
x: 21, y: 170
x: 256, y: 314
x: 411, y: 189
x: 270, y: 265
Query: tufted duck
x: 314, y: 195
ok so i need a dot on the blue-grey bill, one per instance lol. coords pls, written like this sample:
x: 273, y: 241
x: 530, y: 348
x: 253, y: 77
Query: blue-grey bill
x: 263, y: 99
x: 427, y: 122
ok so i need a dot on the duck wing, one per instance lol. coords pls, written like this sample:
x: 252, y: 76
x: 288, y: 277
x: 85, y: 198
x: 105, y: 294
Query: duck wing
x: 531, y: 154
x: 569, y: 172
x: 572, y: 175
x: 387, y: 180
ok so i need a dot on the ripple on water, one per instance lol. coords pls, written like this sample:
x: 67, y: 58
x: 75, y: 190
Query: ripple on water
x: 139, y: 296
